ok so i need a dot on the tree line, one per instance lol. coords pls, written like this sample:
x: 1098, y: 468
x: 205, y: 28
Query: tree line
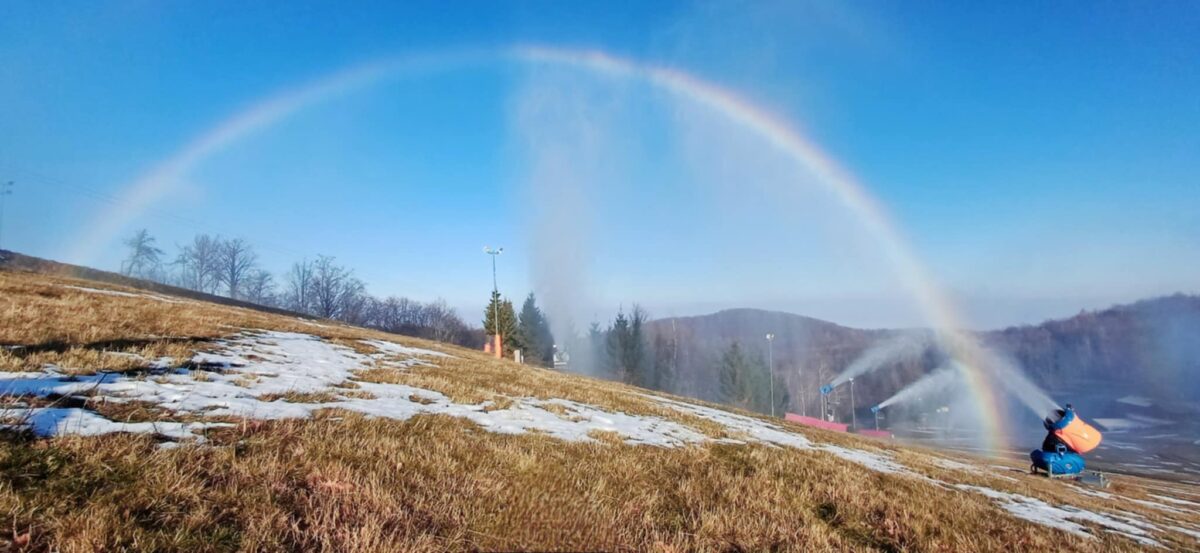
x: 321, y: 287
x: 629, y: 350
x: 528, y: 332
x: 625, y: 349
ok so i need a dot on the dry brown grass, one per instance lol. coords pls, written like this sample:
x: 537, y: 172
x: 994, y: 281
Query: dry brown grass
x: 300, y: 397
x: 342, y: 482
x: 42, y: 314
x: 436, y: 483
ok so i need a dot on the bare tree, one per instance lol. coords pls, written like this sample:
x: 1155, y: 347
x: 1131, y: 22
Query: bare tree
x: 435, y: 321
x: 199, y: 264
x: 354, y: 302
x: 328, y: 284
x: 235, y: 259
x: 259, y: 287
x: 300, y: 287
x: 443, y: 324
x: 144, y: 258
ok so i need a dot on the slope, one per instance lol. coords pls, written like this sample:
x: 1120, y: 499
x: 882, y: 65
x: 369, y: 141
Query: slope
x: 140, y: 420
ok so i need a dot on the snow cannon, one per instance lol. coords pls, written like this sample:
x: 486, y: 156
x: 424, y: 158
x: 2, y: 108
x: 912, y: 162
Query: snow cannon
x: 1068, y: 438
x: 1061, y: 462
x: 875, y: 409
x: 1079, y: 436
x: 826, y: 389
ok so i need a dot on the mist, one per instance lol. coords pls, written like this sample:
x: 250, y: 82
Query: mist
x: 901, y: 347
x: 564, y: 130
x: 1008, y: 374
x: 937, y: 381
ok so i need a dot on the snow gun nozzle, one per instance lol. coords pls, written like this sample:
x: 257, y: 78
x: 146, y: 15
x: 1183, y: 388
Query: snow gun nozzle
x: 826, y: 389
x: 875, y: 409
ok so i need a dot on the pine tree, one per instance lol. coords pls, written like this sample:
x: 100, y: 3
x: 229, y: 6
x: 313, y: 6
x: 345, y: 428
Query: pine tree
x: 535, y: 334
x: 614, y: 346
x: 745, y: 382
x: 636, y: 362
x: 663, y: 372
x: 593, y: 362
x: 734, y: 373
x: 625, y: 348
x: 509, y: 331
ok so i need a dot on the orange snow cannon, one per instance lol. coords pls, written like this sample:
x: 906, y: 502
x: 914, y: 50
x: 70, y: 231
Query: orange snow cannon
x: 1078, y: 435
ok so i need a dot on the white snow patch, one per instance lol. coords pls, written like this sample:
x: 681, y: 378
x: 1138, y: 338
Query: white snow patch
x: 1063, y: 518
x: 396, y: 356
x: 1094, y: 493
x: 1186, y: 531
x: 1138, y: 401
x: 311, y: 323
x: 952, y: 465
x: 121, y: 294
x: 756, y: 430
x: 874, y: 461
x: 1176, y: 500
x: 253, y: 365
x: 164, y: 362
x: 53, y: 421
x: 1131, y: 422
x: 1159, y: 506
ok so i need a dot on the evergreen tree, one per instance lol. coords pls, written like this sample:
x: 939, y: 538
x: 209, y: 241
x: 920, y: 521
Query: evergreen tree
x: 614, y: 346
x: 663, y: 371
x: 535, y: 334
x: 734, y: 373
x: 635, y: 360
x: 508, y: 328
x: 783, y: 400
x: 746, y: 382
x: 625, y: 348
x: 593, y: 360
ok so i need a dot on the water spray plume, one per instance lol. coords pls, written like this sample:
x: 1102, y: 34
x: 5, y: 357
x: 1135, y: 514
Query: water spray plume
x: 1009, y: 375
x: 901, y: 347
x: 936, y: 381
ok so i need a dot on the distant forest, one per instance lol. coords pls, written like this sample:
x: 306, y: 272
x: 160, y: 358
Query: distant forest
x: 724, y: 357
x: 319, y: 287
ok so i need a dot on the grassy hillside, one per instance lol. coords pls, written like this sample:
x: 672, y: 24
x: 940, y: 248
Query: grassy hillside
x: 221, y: 428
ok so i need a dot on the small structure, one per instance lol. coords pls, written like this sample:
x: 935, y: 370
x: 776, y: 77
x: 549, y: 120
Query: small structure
x: 493, y: 345
x: 562, y: 359
x: 816, y: 423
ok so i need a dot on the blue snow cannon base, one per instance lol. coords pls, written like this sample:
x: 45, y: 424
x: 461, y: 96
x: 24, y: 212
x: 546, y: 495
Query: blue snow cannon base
x: 1057, y: 463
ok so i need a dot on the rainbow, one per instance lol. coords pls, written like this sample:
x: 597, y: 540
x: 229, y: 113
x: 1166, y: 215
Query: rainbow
x: 161, y: 179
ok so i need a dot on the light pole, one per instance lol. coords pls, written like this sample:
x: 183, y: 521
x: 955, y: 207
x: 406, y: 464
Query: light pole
x: 495, y: 302
x: 5, y: 190
x: 853, y: 417
x: 825, y: 407
x: 803, y: 392
x: 771, y: 369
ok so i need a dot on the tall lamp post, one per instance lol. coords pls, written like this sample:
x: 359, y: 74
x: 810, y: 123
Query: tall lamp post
x: 853, y: 416
x: 803, y: 391
x: 496, y: 340
x: 771, y: 369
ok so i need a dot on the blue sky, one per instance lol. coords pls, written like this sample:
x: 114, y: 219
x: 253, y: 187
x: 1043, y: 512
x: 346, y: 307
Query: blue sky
x: 1041, y: 158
